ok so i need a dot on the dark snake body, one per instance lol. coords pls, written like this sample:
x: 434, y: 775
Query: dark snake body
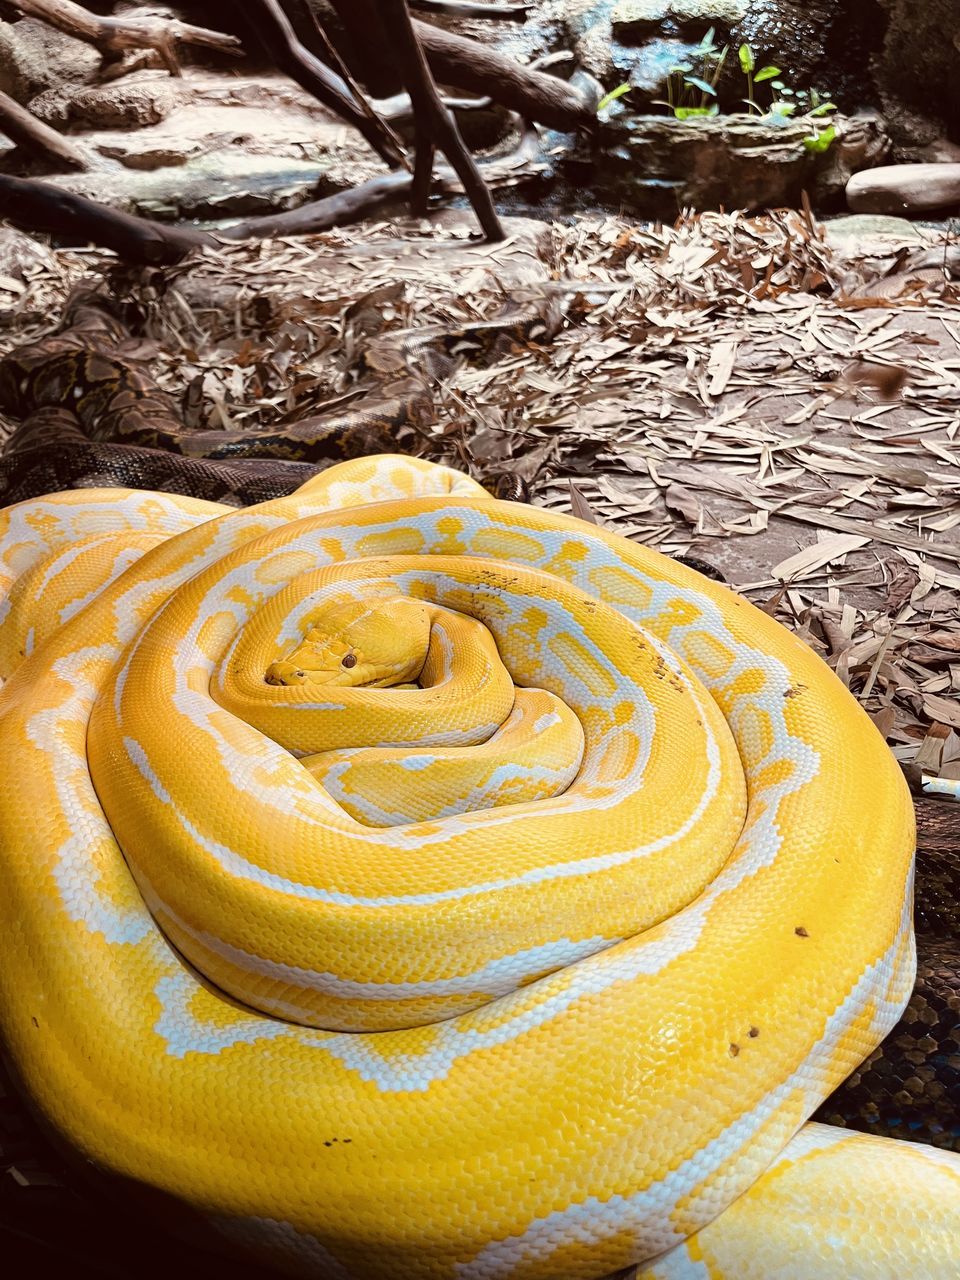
x: 90, y: 417
x: 909, y: 1087
x: 112, y: 399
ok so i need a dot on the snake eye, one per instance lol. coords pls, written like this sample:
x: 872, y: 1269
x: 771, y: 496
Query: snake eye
x: 349, y: 661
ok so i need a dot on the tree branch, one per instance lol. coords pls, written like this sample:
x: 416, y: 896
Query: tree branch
x: 38, y: 138
x: 113, y: 35
x: 464, y: 63
x: 274, y: 31
x: 467, y: 9
x: 434, y: 124
x: 40, y: 206
x: 337, y: 210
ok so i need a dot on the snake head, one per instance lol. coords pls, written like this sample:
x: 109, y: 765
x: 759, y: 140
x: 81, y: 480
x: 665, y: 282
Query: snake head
x: 372, y: 643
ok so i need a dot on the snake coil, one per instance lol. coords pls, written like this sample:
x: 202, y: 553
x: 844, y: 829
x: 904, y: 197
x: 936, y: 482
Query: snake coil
x: 377, y: 1004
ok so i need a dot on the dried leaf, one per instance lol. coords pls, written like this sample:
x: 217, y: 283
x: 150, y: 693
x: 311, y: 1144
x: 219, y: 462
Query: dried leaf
x: 581, y: 507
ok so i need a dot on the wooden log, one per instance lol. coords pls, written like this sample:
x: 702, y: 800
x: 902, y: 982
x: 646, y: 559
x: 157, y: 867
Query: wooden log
x: 465, y: 64
x: 37, y: 138
x: 41, y: 206
x: 112, y: 36
x: 332, y: 211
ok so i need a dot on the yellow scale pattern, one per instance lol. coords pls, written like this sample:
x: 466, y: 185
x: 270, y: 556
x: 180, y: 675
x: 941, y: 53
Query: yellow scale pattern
x: 578, y: 1027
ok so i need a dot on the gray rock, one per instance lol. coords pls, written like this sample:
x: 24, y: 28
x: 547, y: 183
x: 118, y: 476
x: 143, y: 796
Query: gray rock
x: 656, y: 165
x: 905, y: 188
x: 635, y: 20
x: 867, y: 228
x: 131, y: 103
x: 35, y: 57
x: 213, y: 147
x: 210, y: 186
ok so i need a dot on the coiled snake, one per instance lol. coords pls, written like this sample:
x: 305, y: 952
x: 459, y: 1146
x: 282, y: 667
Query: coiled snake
x: 368, y: 1029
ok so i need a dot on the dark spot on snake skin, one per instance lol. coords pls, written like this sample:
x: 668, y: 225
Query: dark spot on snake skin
x: 701, y: 566
x: 734, y: 1050
x: 35, y: 1023
x: 753, y: 1032
x: 795, y: 691
x: 801, y: 932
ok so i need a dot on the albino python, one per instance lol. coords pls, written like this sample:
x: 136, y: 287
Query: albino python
x: 529, y: 955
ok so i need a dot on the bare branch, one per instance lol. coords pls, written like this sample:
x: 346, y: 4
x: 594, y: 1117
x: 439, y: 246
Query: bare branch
x: 435, y: 126
x: 275, y: 33
x: 114, y: 35
x: 38, y: 138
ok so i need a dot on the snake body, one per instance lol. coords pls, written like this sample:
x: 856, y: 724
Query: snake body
x: 89, y: 414
x: 549, y: 1038
x: 113, y: 399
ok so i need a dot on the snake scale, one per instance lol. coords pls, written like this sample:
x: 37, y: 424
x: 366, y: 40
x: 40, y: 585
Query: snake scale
x: 578, y: 1028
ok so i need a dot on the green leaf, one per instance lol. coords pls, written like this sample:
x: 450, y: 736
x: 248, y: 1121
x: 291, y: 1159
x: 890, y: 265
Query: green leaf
x: 687, y: 113
x: 783, y: 109
x: 766, y: 73
x: 613, y: 95
x: 819, y: 143
x: 707, y: 42
x: 747, y: 62
x: 823, y: 108
x: 702, y: 85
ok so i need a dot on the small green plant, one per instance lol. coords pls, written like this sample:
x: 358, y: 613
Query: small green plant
x: 820, y: 140
x: 784, y: 101
x: 691, y: 90
x: 613, y: 95
x: 754, y: 77
x: 692, y: 86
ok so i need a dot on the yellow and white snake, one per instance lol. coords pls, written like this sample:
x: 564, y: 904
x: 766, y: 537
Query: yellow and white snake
x: 527, y: 956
